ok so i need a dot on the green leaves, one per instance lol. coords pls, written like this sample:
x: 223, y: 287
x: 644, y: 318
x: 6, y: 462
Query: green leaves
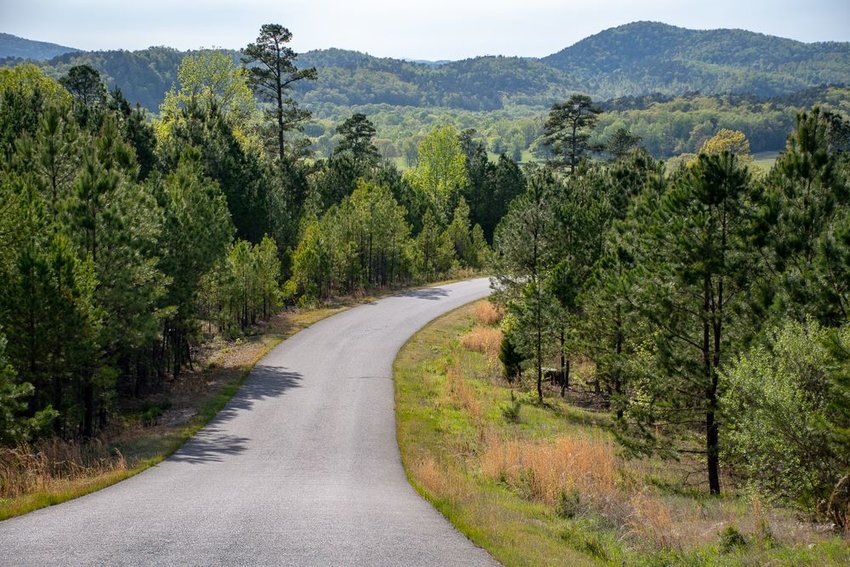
x: 440, y: 173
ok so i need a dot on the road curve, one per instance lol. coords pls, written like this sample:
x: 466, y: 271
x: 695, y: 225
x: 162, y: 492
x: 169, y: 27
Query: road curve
x: 301, y: 468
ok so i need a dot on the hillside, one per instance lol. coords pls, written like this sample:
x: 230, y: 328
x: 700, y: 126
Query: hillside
x: 12, y: 46
x: 629, y: 60
x: 652, y: 57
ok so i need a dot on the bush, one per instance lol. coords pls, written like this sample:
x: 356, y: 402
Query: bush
x: 731, y: 540
x: 784, y: 430
x: 510, y: 357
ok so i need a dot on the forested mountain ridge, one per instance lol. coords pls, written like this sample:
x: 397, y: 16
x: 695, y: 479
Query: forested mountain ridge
x: 629, y: 60
x: 651, y: 56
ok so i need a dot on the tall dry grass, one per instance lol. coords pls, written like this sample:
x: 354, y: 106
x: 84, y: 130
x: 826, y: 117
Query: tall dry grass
x: 651, y: 521
x: 461, y: 390
x: 549, y: 471
x: 488, y: 313
x: 52, y: 464
x: 483, y: 339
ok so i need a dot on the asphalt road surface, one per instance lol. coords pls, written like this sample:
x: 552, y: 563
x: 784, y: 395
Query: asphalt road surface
x: 301, y: 468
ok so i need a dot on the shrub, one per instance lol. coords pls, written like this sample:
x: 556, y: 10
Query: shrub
x: 731, y: 540
x: 783, y: 425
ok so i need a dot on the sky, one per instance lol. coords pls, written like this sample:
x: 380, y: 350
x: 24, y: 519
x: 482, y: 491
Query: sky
x: 412, y: 29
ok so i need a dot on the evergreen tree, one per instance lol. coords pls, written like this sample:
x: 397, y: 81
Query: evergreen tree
x: 567, y: 129
x: 272, y: 74
x: 696, y: 267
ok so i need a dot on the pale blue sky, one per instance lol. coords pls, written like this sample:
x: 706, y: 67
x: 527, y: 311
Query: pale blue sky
x: 433, y: 29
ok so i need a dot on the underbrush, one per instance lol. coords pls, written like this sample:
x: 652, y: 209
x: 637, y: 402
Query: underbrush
x: 545, y: 484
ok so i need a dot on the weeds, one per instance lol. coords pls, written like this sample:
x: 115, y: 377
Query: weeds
x: 651, y: 521
x: 547, y: 470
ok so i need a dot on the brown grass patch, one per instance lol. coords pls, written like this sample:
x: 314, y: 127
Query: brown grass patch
x: 428, y: 473
x: 549, y: 471
x: 52, y: 465
x: 461, y: 390
x: 486, y: 340
x: 651, y: 521
x: 488, y: 313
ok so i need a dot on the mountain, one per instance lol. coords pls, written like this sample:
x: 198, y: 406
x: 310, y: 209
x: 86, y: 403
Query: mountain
x: 629, y: 60
x: 12, y: 46
x: 645, y: 57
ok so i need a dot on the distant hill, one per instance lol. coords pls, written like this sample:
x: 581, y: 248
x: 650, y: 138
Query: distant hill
x: 12, y: 46
x: 645, y: 57
x: 627, y: 61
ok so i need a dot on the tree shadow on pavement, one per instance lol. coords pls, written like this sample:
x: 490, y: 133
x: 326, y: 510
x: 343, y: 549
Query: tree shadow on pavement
x: 209, y: 445
x: 212, y: 443
x: 432, y: 293
x: 264, y: 382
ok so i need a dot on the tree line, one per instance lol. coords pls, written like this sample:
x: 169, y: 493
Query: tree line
x: 712, y: 303
x: 124, y: 241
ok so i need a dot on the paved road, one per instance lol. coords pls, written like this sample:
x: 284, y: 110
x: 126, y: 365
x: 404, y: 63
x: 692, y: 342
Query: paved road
x: 301, y: 468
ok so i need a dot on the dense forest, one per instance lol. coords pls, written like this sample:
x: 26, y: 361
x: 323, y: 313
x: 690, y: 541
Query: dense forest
x: 711, y: 301
x: 120, y: 236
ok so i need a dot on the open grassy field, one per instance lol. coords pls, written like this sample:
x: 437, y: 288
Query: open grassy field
x: 546, y: 484
x: 764, y: 161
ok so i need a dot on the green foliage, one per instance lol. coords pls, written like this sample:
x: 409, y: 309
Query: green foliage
x: 732, y: 540
x: 15, y: 426
x: 511, y: 359
x: 801, y: 216
x: 732, y: 141
x: 272, y: 73
x: 243, y: 287
x: 85, y: 85
x: 567, y: 130
x: 695, y: 265
x: 210, y: 78
x: 440, y: 173
x: 780, y: 402
x: 243, y: 173
x: 364, y: 242
x: 357, y: 134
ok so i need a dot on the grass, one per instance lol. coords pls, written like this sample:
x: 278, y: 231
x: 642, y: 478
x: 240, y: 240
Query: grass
x: 544, y: 484
x: 763, y: 161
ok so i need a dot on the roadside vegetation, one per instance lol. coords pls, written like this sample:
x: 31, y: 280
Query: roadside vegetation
x: 548, y: 484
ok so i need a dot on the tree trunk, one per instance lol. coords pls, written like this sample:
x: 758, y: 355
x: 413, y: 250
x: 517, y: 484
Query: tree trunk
x: 88, y: 405
x: 712, y: 436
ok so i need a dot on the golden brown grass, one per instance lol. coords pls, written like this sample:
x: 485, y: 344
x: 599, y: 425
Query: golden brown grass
x: 52, y: 465
x: 462, y: 391
x: 488, y: 313
x: 485, y: 340
x: 549, y: 470
x: 650, y: 521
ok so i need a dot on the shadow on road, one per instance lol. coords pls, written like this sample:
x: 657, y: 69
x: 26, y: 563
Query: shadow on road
x: 209, y: 445
x: 264, y: 382
x: 432, y: 293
